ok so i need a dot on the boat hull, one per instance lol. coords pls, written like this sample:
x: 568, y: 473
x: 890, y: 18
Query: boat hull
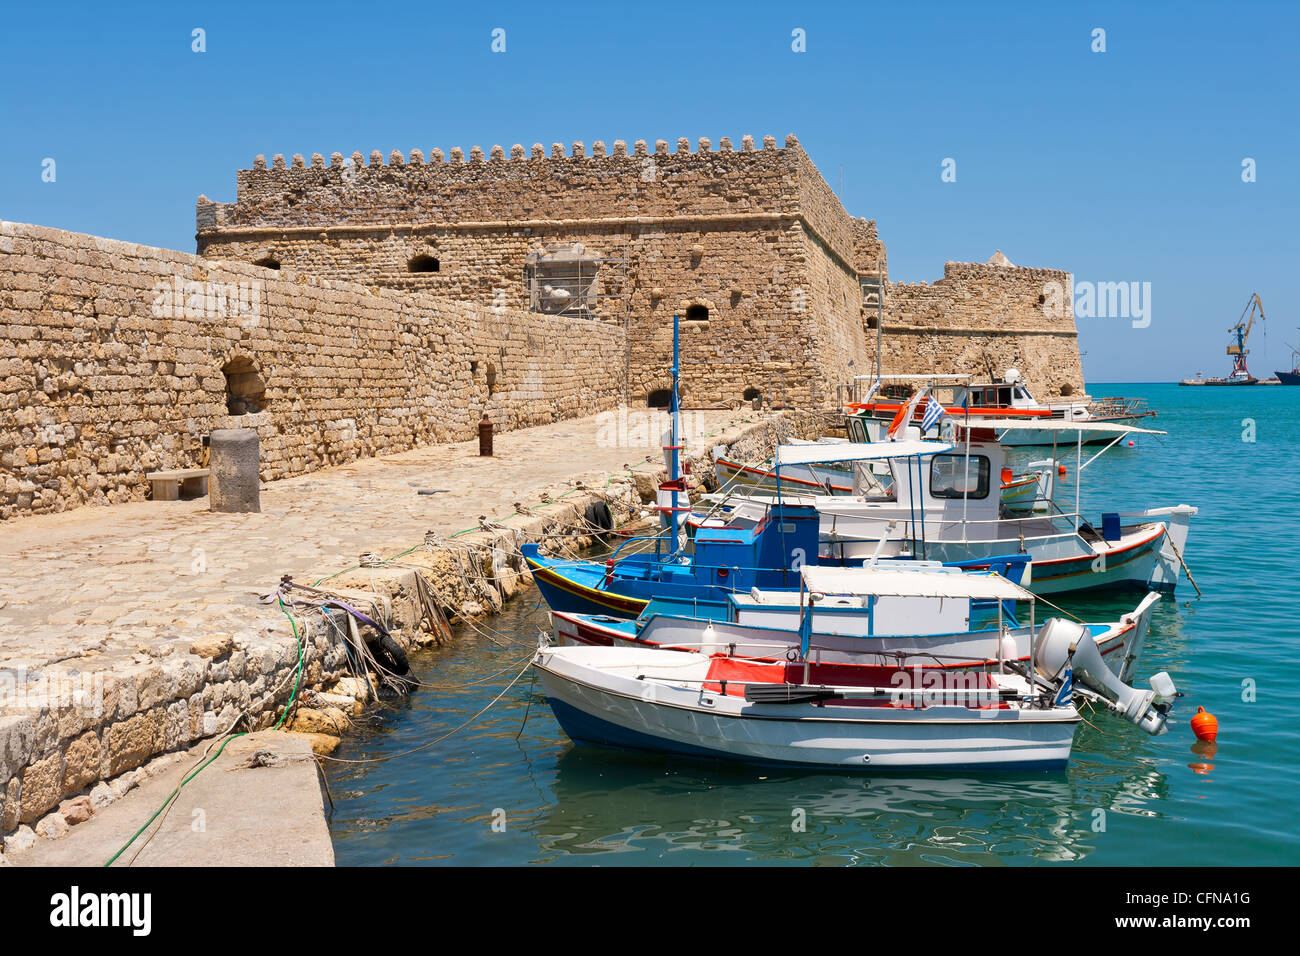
x: 595, y: 706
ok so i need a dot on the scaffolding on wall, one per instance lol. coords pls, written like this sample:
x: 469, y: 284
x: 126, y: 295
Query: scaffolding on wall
x: 873, y: 294
x: 562, y: 278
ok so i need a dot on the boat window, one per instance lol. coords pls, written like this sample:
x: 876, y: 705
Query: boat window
x: 950, y: 477
x: 857, y: 432
x: 1004, y: 396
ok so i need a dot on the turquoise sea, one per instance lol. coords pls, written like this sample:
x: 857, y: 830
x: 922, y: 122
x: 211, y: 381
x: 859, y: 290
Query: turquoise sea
x: 511, y: 789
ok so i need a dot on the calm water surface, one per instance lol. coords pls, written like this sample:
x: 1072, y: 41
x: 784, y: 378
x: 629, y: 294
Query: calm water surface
x: 512, y: 789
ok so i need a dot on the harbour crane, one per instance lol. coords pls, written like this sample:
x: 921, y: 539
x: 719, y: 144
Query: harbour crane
x: 1241, y: 330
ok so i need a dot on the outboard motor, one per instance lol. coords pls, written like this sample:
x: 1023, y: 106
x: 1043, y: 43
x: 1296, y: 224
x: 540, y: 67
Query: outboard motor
x: 1068, y: 647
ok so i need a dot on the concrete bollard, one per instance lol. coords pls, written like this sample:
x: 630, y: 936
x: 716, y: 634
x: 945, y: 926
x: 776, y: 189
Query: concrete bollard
x: 235, y: 457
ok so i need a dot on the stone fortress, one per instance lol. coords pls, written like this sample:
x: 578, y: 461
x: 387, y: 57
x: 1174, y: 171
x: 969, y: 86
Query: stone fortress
x: 362, y: 306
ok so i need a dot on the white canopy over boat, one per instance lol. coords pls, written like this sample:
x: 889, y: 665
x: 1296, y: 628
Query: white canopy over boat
x: 1059, y: 425
x: 891, y: 582
x: 820, y: 454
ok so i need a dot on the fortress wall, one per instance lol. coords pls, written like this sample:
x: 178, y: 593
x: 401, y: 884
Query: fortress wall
x: 112, y: 357
x: 754, y: 233
x: 981, y: 316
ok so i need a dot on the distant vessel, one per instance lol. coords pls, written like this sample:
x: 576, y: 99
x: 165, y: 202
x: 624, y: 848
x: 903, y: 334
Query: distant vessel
x: 1240, y: 374
x: 1292, y: 377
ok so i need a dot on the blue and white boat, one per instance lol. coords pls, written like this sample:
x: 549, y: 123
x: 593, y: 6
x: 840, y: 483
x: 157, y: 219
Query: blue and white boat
x: 873, y: 710
x: 945, y: 618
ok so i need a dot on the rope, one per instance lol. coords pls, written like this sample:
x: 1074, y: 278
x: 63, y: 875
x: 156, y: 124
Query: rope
x: 436, y: 740
x: 204, y: 763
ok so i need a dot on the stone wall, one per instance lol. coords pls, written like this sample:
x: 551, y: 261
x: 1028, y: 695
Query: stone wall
x: 981, y: 317
x: 753, y: 235
x: 114, y: 361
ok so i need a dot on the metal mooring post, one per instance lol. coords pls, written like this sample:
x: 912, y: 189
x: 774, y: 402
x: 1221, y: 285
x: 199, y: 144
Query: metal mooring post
x: 485, y: 436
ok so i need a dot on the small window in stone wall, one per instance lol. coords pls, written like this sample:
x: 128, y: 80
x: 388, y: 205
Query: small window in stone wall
x: 1067, y: 391
x: 697, y: 313
x: 245, y: 390
x: 423, y: 263
x: 751, y: 393
x: 268, y: 262
x: 659, y: 398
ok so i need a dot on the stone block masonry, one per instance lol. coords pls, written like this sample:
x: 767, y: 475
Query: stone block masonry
x: 117, y: 359
x: 984, y: 318
x: 747, y: 244
x: 750, y: 245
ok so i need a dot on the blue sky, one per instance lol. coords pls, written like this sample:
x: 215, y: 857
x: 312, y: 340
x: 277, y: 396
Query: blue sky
x: 1118, y: 166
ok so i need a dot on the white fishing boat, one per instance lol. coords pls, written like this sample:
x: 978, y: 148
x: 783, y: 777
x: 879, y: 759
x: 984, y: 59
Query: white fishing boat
x: 726, y: 706
x: 1025, y: 491
x: 939, y: 504
x: 943, y: 619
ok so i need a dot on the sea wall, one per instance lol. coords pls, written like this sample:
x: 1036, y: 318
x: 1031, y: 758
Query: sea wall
x: 117, y: 359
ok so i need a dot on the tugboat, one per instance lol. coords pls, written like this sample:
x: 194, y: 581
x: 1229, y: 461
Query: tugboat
x: 1292, y: 377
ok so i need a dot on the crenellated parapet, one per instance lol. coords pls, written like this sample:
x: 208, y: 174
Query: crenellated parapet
x: 578, y: 181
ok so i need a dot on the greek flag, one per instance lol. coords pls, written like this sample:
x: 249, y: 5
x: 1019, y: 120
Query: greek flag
x: 1066, y: 693
x: 934, y: 412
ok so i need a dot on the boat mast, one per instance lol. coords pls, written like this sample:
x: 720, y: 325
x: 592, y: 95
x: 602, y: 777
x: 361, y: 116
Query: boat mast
x: 674, y: 472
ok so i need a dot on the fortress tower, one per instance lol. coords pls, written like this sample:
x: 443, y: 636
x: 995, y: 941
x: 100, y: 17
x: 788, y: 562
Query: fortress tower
x: 775, y: 281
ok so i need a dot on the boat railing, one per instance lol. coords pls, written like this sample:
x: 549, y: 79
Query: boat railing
x: 657, y: 538
x: 898, y: 695
x: 1117, y: 406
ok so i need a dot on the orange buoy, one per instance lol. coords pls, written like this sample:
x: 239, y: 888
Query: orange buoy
x: 1204, y: 725
x: 1060, y: 470
x: 1131, y: 443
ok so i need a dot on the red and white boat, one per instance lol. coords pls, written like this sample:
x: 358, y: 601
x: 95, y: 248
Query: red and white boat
x: 1009, y: 401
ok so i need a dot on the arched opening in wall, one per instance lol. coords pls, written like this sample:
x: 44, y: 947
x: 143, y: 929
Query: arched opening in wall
x: 697, y: 313
x: 659, y: 398
x: 423, y: 263
x: 268, y: 262
x: 873, y: 321
x: 752, y: 393
x: 1067, y: 391
x: 245, y: 390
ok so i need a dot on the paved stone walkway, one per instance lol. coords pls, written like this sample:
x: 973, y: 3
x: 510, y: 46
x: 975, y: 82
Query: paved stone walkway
x: 113, y: 581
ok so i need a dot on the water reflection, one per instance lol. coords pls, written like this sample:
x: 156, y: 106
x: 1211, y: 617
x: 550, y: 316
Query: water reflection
x: 609, y: 802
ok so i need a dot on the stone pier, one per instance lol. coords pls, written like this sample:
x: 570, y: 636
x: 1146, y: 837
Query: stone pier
x: 131, y: 633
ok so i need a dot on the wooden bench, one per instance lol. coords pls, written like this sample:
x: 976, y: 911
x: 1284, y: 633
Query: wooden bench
x: 169, y: 485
